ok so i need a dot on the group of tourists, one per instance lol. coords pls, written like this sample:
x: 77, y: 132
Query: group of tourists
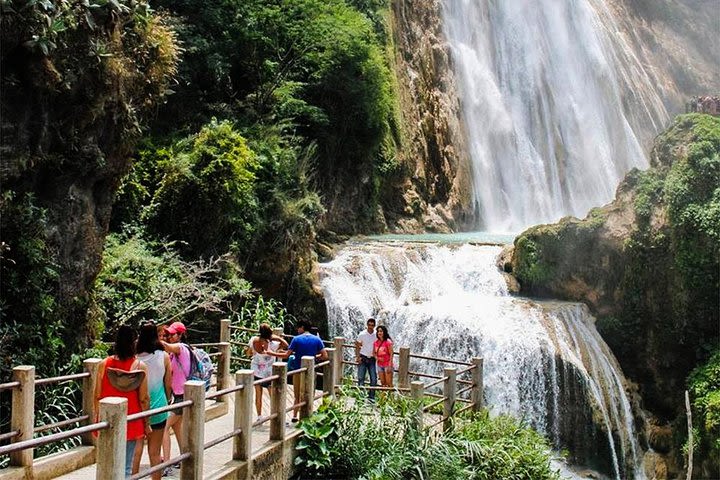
x: 267, y: 348
x: 374, y: 356
x: 149, y: 368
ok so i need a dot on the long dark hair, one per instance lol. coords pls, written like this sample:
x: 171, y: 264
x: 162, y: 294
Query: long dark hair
x: 386, y: 335
x: 125, y: 342
x: 148, y: 342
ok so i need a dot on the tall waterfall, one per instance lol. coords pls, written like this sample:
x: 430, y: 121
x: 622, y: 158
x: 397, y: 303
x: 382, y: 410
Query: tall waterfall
x: 544, y: 362
x: 554, y: 102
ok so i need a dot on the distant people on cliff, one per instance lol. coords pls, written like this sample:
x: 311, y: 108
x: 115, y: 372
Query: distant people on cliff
x: 265, y: 348
x: 124, y: 375
x: 365, y: 357
x: 704, y: 104
x: 383, y: 352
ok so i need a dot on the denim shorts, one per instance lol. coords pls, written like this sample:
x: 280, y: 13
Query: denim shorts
x: 389, y: 368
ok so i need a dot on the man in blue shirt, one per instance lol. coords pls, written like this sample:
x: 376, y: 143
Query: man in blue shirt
x: 304, y: 344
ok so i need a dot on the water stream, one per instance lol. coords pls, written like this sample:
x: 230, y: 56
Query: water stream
x: 555, y: 102
x: 544, y: 361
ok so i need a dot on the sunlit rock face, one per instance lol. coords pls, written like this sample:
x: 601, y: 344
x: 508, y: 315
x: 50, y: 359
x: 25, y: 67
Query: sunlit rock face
x: 543, y: 362
x: 434, y: 193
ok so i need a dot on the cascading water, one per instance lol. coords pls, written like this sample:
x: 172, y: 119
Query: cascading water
x: 554, y: 103
x: 544, y: 362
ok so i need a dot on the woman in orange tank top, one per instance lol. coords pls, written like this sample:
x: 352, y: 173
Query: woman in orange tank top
x: 138, y: 399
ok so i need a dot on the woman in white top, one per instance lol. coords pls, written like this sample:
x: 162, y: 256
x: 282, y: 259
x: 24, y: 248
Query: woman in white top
x: 264, y: 347
x: 152, y: 354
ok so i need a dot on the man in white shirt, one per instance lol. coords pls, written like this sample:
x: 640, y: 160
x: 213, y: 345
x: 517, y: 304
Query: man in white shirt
x: 364, y: 356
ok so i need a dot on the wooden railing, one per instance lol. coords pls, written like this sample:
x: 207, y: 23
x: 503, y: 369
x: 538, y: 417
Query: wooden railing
x: 22, y: 414
x: 112, y: 417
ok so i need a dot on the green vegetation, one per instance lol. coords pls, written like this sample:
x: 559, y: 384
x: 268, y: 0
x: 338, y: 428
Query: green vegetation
x: 351, y: 440
x: 704, y: 387
x: 146, y: 280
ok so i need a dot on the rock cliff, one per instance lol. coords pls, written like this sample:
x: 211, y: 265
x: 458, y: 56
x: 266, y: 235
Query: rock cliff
x: 434, y: 191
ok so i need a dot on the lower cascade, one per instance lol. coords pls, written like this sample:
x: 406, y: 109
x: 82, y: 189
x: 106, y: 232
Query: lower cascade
x: 544, y: 362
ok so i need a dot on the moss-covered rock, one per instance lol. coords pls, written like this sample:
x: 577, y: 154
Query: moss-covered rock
x: 648, y: 264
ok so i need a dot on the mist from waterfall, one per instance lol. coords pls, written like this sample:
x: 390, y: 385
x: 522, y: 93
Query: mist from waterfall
x: 543, y: 362
x: 555, y: 103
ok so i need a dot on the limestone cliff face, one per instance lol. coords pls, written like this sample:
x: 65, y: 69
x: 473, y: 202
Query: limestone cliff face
x: 434, y: 192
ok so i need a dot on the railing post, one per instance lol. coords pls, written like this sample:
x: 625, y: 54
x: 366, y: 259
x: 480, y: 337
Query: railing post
x: 193, y: 431
x: 278, y: 401
x: 224, y: 330
x: 476, y: 394
x: 417, y: 390
x: 22, y: 417
x: 449, y: 389
x: 91, y: 366
x: 242, y: 443
x: 308, y: 391
x: 223, y: 374
x: 329, y: 373
x: 404, y: 368
x: 111, y: 441
x: 339, y: 356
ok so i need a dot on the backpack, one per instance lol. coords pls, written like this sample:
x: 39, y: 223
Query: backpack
x: 201, y: 366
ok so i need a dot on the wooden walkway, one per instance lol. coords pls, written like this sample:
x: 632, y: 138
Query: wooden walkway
x: 216, y: 457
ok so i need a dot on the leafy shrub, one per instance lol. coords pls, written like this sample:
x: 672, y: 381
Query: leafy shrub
x: 143, y: 280
x: 348, y: 439
x: 704, y: 387
x: 316, y: 69
x: 207, y: 198
x: 31, y: 331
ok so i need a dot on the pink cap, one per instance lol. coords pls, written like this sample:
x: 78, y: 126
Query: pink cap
x: 177, y: 327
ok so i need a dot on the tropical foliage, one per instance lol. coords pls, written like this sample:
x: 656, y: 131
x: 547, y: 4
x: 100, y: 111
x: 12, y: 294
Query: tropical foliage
x: 348, y: 440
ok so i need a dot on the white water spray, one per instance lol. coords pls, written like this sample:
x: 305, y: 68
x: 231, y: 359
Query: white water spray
x: 554, y: 101
x: 452, y: 301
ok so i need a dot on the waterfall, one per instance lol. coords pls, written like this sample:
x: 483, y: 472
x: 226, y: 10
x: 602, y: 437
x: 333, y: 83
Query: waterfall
x: 544, y: 361
x: 555, y: 104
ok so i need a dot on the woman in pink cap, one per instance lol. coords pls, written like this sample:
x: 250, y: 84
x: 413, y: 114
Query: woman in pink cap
x: 175, y: 344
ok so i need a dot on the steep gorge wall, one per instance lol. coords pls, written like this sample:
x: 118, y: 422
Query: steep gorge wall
x: 434, y: 191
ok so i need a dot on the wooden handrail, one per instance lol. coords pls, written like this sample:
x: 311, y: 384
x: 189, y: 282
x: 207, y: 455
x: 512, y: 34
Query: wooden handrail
x: 63, y: 378
x: 295, y: 372
x: 9, y: 385
x: 62, y: 423
x: 40, y: 441
x: 225, y: 391
x: 436, y: 382
x: 438, y: 359
x: 9, y: 435
x: 222, y: 438
x: 160, y: 466
x: 155, y: 411
x: 433, y: 404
